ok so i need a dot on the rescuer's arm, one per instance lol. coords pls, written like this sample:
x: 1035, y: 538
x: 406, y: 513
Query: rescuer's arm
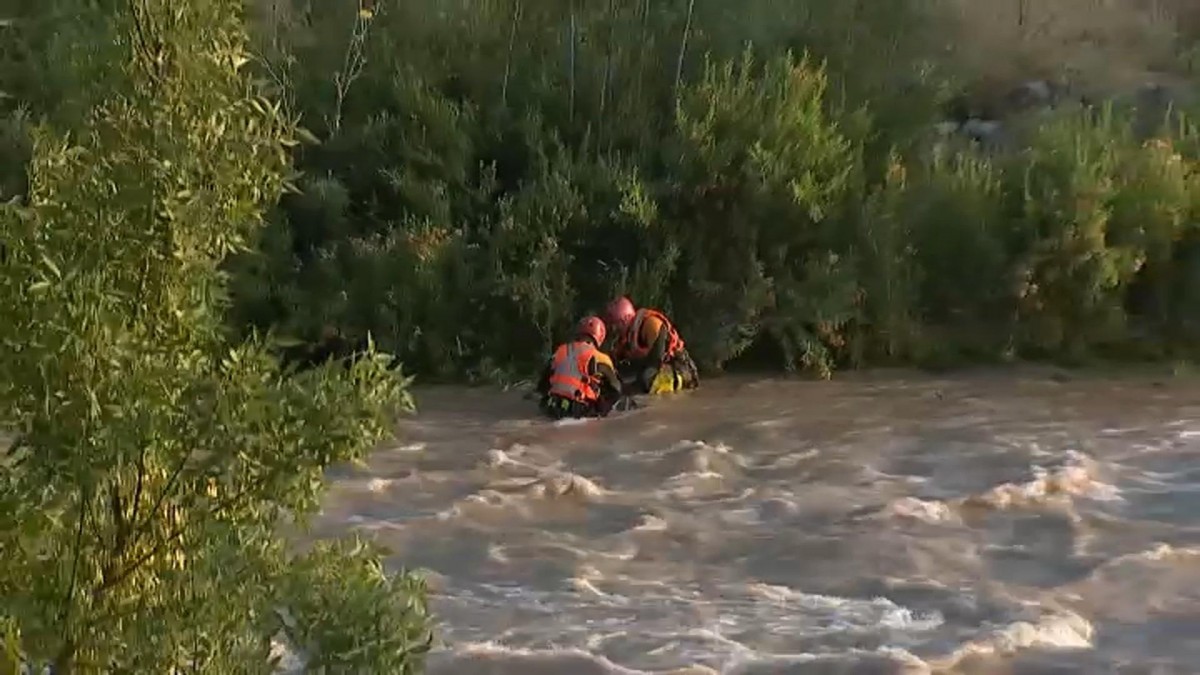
x: 543, y: 383
x: 658, y: 352
x: 610, y: 383
x: 657, y: 334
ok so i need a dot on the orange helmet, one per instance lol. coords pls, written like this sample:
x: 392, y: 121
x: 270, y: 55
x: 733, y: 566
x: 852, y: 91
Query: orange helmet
x: 620, y: 312
x: 591, y: 327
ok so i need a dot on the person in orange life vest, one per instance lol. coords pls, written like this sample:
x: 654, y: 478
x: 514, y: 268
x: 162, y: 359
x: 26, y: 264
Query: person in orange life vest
x: 579, y: 380
x: 647, y: 340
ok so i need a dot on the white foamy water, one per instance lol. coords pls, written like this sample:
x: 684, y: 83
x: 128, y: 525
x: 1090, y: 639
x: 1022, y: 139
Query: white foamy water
x: 976, y: 524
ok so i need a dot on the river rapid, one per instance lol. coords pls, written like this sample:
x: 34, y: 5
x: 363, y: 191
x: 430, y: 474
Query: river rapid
x: 878, y: 523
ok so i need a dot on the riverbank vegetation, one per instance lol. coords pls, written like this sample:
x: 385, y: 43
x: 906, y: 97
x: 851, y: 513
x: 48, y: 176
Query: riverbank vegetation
x: 456, y: 183
x: 484, y: 173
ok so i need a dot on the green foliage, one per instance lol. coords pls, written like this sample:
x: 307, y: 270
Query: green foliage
x: 354, y: 617
x: 151, y: 460
x: 478, y: 175
x: 493, y: 171
x: 764, y: 167
x: 933, y: 260
x: 14, y: 155
x: 1078, y: 247
x: 518, y: 162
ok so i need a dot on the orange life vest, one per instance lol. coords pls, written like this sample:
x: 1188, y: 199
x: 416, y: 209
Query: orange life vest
x: 629, y: 344
x: 569, y: 377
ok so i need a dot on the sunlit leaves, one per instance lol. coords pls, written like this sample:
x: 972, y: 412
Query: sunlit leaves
x: 156, y: 459
x: 353, y: 615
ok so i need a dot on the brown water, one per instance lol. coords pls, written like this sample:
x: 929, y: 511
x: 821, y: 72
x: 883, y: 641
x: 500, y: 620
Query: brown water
x: 873, y: 524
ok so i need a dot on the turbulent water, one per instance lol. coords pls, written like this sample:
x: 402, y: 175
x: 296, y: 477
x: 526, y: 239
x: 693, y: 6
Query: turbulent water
x: 873, y: 524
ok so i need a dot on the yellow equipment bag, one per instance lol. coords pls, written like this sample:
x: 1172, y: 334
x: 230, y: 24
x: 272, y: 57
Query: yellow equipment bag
x: 667, y: 381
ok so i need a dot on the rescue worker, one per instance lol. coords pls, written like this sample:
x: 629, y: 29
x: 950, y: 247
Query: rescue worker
x: 655, y: 352
x: 580, y: 380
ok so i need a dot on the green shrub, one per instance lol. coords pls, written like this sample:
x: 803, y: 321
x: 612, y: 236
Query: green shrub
x: 152, y: 461
x: 346, y: 614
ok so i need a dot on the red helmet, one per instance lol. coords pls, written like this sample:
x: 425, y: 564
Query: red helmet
x: 592, y: 327
x: 620, y: 311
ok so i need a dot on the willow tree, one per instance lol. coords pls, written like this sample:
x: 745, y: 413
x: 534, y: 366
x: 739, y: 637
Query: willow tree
x: 149, y: 460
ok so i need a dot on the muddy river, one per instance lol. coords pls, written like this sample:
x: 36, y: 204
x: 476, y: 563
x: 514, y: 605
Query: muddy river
x: 879, y: 523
